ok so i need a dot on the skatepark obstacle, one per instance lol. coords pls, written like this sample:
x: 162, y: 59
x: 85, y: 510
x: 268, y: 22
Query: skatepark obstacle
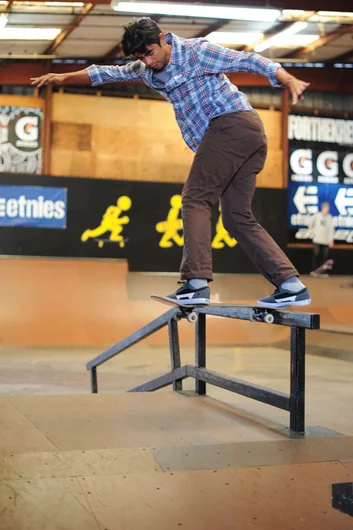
x: 294, y: 403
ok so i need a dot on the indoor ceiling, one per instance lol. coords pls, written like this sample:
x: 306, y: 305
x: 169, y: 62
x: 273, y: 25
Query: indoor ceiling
x: 83, y: 30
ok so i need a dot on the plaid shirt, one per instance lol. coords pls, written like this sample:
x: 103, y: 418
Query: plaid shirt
x: 196, y: 85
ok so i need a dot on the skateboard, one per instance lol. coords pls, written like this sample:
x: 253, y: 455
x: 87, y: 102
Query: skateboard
x: 102, y: 241
x: 259, y: 314
x: 321, y: 271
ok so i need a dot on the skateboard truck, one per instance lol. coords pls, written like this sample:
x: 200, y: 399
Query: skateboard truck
x: 262, y: 315
x: 259, y: 315
x: 190, y: 315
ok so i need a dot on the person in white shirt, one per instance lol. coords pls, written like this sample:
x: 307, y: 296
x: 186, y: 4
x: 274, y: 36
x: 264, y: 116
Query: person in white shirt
x: 322, y: 233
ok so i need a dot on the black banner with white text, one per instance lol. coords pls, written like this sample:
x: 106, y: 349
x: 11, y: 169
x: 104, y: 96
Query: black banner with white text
x: 320, y: 170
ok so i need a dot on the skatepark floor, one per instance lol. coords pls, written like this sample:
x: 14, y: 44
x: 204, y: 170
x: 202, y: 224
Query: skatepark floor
x: 329, y: 389
x: 70, y: 460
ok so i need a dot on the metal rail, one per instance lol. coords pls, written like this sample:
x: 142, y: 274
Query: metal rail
x: 294, y: 403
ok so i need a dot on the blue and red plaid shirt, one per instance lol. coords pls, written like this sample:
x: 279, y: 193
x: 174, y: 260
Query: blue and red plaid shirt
x: 196, y: 85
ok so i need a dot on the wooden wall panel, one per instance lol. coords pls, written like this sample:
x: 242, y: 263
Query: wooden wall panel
x: 73, y: 136
x: 21, y: 101
x: 134, y: 139
x: 272, y: 174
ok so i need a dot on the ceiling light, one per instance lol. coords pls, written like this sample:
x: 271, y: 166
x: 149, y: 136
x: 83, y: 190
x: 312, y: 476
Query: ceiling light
x: 292, y: 12
x: 280, y: 38
x: 334, y: 14
x: 48, y: 4
x: 3, y: 21
x: 228, y: 37
x: 298, y: 41
x: 64, y: 4
x: 16, y: 33
x: 197, y: 10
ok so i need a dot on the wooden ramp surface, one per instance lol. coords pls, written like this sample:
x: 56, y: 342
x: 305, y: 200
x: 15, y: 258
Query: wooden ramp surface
x: 51, y: 302
x: 160, y: 461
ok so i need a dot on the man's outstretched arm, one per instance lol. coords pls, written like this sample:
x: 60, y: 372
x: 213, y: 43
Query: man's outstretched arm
x: 93, y: 75
x: 215, y: 59
x: 73, y: 78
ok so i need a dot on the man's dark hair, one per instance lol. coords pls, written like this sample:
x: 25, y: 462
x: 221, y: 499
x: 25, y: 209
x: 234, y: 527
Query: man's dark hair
x: 138, y: 34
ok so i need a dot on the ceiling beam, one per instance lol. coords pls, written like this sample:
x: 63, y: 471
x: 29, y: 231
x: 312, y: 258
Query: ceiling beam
x: 312, y: 5
x: 343, y: 57
x: 212, y: 27
x: 8, y: 6
x: 322, y: 41
x: 113, y: 52
x: 267, y: 35
x: 278, y: 28
x: 327, y: 79
x: 69, y: 29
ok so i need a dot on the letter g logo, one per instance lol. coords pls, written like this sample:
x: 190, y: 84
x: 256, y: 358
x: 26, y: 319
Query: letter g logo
x: 27, y: 128
x: 301, y: 162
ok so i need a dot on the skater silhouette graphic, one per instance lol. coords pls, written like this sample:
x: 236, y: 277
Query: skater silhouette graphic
x: 222, y: 237
x: 111, y: 222
x: 171, y: 225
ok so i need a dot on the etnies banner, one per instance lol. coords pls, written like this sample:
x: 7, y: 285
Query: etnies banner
x: 33, y: 206
x: 20, y: 139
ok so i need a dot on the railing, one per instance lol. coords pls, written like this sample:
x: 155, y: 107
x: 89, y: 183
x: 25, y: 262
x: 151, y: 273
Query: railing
x: 294, y: 403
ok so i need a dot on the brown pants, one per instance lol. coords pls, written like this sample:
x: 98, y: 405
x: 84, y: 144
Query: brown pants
x: 231, y: 154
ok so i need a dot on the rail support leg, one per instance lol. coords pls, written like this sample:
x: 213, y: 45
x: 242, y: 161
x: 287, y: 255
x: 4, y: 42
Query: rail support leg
x: 94, y: 383
x: 200, y: 353
x: 297, y: 380
x: 174, y: 351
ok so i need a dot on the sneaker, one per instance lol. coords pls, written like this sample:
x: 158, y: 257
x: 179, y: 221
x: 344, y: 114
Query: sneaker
x: 189, y: 296
x: 283, y: 298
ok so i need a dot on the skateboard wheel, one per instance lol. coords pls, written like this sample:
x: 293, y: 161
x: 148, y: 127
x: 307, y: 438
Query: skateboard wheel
x: 178, y: 316
x: 192, y: 317
x: 269, y: 319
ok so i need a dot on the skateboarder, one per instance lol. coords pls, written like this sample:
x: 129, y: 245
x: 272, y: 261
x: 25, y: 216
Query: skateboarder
x: 219, y: 124
x: 111, y: 222
x: 322, y: 233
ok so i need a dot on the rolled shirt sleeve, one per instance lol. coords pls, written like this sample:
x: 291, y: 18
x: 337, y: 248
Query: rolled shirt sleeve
x: 99, y: 75
x: 215, y: 59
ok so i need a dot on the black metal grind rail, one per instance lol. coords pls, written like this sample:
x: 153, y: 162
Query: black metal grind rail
x: 294, y: 403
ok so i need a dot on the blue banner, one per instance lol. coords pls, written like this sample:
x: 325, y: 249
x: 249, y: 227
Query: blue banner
x: 305, y: 200
x: 33, y: 206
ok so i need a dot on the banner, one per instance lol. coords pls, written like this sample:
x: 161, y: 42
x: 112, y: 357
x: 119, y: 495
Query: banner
x: 33, y: 206
x: 320, y: 170
x: 137, y: 221
x: 20, y: 139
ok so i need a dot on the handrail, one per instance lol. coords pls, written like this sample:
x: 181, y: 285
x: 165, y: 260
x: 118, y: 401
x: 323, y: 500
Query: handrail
x: 298, y: 322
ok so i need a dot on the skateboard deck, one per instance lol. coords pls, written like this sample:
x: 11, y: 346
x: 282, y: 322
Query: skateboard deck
x: 321, y: 271
x: 101, y: 241
x: 260, y: 314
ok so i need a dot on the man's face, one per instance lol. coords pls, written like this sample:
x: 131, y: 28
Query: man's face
x: 156, y: 56
x: 325, y: 209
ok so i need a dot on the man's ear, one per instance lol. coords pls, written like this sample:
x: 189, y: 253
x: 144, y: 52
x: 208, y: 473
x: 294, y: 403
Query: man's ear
x: 162, y: 39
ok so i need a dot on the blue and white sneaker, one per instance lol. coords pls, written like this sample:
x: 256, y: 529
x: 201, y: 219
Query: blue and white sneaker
x: 283, y: 298
x: 188, y: 296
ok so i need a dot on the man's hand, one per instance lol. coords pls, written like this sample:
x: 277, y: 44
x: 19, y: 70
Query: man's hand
x: 48, y: 79
x: 296, y: 86
x: 331, y: 245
